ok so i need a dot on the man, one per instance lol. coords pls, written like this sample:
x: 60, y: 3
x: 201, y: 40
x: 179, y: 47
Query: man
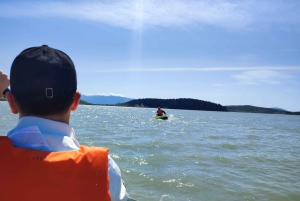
x: 4, y: 81
x: 160, y: 112
x: 41, y: 159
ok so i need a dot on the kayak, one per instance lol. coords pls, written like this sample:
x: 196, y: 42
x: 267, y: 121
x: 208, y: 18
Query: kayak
x: 161, y: 117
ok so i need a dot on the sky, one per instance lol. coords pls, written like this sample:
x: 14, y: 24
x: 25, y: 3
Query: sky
x: 229, y: 52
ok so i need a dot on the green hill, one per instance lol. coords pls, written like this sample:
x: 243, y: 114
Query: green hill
x: 82, y: 102
x: 181, y: 103
x: 254, y: 109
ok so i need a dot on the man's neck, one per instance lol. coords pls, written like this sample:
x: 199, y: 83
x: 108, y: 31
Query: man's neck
x: 64, y: 118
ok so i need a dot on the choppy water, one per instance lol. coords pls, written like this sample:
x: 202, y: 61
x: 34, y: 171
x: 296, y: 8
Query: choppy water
x: 195, y: 155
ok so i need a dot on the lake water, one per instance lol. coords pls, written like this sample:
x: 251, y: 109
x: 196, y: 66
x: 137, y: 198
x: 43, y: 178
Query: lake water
x: 195, y: 155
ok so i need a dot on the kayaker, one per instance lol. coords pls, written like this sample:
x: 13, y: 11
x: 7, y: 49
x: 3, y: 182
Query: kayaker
x: 160, y: 112
x: 41, y: 159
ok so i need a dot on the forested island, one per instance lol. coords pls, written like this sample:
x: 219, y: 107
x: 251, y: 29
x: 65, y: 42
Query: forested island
x: 253, y: 109
x: 82, y: 102
x: 181, y: 104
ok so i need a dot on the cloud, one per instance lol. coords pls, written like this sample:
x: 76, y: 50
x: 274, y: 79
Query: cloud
x: 140, y: 14
x: 104, y: 94
x: 219, y: 85
x: 262, y: 76
x: 183, y: 69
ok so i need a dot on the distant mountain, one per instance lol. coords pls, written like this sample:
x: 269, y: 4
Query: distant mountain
x: 254, y: 109
x: 181, y: 103
x: 110, y: 100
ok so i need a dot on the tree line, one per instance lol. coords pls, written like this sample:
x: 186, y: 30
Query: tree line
x: 254, y: 109
x: 181, y: 103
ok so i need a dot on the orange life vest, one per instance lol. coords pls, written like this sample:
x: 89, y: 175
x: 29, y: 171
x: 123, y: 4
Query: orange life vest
x: 159, y: 112
x: 27, y: 174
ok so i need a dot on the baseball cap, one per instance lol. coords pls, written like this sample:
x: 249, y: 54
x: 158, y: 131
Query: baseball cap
x: 43, y: 73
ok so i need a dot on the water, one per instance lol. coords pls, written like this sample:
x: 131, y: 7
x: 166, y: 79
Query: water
x: 195, y: 155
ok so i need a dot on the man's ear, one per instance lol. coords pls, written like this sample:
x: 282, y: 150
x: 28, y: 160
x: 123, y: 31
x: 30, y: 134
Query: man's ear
x: 76, y: 101
x: 12, y: 103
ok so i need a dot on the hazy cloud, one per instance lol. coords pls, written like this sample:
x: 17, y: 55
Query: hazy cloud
x: 250, y: 69
x: 143, y: 14
x: 219, y: 85
x: 262, y: 76
x: 104, y: 94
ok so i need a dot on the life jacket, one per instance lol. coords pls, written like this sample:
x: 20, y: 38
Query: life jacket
x: 33, y: 175
x: 159, y: 112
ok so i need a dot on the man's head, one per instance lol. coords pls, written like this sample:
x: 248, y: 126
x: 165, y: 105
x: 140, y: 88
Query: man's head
x: 43, y: 81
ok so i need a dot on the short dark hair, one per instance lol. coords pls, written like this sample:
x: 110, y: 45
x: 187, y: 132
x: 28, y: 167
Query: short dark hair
x: 43, y: 81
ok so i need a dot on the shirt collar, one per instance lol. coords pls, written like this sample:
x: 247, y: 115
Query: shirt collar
x: 43, y: 134
x: 45, y: 126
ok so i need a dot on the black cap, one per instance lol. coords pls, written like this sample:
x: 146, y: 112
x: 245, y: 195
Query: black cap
x: 43, y: 73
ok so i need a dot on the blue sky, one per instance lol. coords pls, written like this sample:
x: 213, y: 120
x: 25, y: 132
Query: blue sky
x: 227, y: 52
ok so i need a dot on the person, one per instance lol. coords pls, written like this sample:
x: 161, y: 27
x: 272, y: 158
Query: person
x: 41, y: 159
x: 160, y: 112
x: 4, y: 82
